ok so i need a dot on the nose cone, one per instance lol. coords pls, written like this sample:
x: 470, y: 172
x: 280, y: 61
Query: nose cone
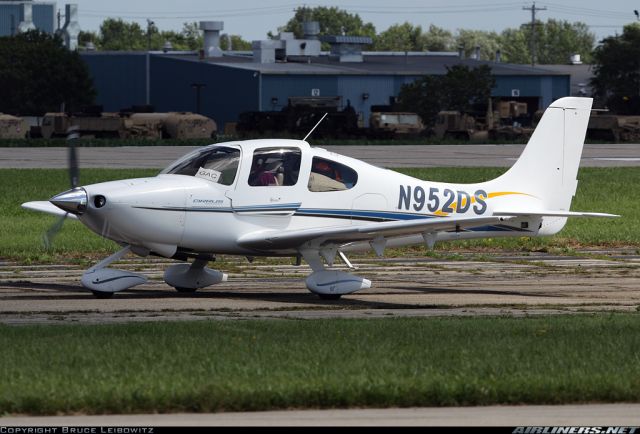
x: 73, y: 201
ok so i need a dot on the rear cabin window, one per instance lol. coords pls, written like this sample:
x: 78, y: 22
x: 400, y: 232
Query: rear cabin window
x: 327, y: 175
x: 272, y: 167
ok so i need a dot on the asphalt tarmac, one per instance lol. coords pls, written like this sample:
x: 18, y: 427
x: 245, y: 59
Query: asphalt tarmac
x: 592, y: 415
x: 609, y: 155
x: 409, y: 285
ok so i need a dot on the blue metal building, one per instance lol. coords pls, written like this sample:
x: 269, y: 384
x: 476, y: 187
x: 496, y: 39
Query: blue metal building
x: 12, y: 13
x: 230, y: 85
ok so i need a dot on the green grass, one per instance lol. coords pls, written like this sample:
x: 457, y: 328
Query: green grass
x: 22, y: 230
x: 611, y: 190
x: 269, y: 364
x: 600, y: 189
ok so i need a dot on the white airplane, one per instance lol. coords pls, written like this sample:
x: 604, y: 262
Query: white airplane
x: 281, y: 197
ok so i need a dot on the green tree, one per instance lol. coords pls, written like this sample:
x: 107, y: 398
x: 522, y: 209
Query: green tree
x: 86, y: 36
x: 193, y: 35
x: 332, y: 20
x: 237, y: 43
x: 468, y: 40
x: 616, y: 76
x: 461, y: 88
x: 38, y: 75
x: 400, y: 37
x: 556, y: 41
x: 438, y: 39
x: 118, y: 35
x: 515, y: 46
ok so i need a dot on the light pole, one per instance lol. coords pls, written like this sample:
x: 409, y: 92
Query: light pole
x: 149, y: 24
x: 148, y: 61
x: 197, y: 87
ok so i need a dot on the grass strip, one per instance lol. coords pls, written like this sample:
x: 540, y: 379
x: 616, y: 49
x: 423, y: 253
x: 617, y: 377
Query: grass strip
x: 600, y: 189
x: 204, y: 366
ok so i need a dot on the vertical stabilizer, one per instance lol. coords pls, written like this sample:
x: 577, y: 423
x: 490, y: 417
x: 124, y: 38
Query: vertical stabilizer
x: 548, y: 166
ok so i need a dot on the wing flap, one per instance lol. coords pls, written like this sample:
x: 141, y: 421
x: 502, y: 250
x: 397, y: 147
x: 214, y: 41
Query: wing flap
x: 267, y: 240
x: 550, y: 213
x: 48, y: 207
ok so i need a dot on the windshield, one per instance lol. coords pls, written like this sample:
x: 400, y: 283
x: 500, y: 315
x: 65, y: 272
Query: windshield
x: 217, y: 164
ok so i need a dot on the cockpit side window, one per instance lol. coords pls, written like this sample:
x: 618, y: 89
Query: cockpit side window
x: 217, y: 164
x: 275, y: 167
x: 327, y: 175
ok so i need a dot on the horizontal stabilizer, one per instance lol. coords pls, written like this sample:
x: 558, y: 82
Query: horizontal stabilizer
x: 48, y: 207
x: 550, y: 213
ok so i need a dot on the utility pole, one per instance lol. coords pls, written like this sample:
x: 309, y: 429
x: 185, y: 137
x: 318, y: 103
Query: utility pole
x: 533, y: 10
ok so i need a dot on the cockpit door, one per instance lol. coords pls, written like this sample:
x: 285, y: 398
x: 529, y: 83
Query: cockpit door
x: 271, y: 182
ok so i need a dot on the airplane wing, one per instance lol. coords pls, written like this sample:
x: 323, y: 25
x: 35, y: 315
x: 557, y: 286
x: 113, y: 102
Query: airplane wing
x: 268, y: 240
x: 550, y: 213
x: 48, y: 207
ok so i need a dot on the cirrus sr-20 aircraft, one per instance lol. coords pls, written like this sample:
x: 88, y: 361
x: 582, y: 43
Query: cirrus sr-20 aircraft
x: 279, y: 197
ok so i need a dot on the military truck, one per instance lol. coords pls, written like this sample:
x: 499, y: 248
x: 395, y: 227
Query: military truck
x: 458, y: 126
x: 299, y: 116
x: 177, y: 125
x: 12, y: 127
x: 103, y: 125
x: 384, y: 125
x: 614, y: 128
x: 124, y: 125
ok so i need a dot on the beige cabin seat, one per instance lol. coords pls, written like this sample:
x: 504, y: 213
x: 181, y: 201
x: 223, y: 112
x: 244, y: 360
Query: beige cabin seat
x: 319, y: 182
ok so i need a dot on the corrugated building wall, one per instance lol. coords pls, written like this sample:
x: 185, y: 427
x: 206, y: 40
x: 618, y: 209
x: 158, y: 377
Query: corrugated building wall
x: 226, y: 93
x: 11, y: 14
x: 229, y: 88
x: 119, y: 78
x: 121, y: 82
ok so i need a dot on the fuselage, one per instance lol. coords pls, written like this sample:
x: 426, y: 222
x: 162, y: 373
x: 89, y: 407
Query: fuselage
x: 204, y: 202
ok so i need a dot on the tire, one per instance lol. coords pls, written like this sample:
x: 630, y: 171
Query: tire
x: 185, y: 290
x: 329, y: 296
x: 102, y: 295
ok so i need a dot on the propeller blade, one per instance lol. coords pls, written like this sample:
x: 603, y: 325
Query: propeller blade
x: 53, y: 231
x: 74, y: 173
x: 73, y: 134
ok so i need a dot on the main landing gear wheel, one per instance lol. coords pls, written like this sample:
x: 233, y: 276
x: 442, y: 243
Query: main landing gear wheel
x: 183, y: 289
x: 102, y: 294
x: 330, y: 296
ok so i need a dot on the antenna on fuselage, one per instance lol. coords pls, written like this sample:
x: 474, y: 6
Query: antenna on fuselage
x: 314, y: 127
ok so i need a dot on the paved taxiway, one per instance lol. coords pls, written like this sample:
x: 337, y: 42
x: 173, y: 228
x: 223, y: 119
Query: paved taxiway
x: 487, y: 284
x: 607, y: 155
x: 530, y: 415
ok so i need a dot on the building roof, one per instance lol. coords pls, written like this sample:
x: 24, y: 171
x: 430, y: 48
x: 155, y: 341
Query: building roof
x: 380, y: 63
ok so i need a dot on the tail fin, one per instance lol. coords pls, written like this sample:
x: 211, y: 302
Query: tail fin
x: 549, y: 163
